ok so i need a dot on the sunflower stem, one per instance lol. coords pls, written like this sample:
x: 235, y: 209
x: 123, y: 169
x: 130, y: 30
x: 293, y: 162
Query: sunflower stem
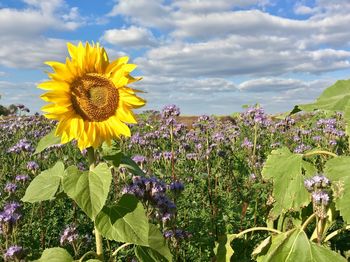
x: 99, y: 245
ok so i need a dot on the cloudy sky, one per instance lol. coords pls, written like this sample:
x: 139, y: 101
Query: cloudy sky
x: 206, y: 56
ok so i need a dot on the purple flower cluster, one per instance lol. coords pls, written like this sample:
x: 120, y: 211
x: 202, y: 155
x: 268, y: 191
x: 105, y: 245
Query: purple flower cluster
x: 139, y: 159
x: 32, y: 166
x: 318, y: 181
x: 69, y: 235
x: 320, y: 197
x: 178, y: 234
x: 246, y: 143
x: 170, y: 111
x: 317, y: 186
x: 23, y: 145
x: 15, y: 253
x: 22, y: 178
x: 176, y: 187
x: 153, y: 191
x: 301, y: 148
x: 10, y: 188
x: 9, y: 216
x: 255, y: 115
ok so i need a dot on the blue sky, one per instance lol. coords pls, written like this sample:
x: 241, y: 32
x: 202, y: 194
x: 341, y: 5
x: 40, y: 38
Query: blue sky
x: 206, y: 56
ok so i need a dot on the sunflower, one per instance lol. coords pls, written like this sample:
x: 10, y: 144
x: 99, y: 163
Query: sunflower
x: 89, y: 96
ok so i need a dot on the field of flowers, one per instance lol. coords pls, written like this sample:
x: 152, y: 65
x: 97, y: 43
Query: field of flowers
x: 197, y: 183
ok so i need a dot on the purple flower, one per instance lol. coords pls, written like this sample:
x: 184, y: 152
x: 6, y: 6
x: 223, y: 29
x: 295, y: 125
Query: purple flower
x: 176, y: 186
x: 10, y: 187
x: 170, y: 111
x: 320, y: 197
x: 168, y: 233
x: 139, y: 159
x: 22, y: 178
x: 69, y: 235
x: 23, y: 145
x: 32, y: 166
x: 309, y: 184
x: 246, y: 143
x: 14, y: 252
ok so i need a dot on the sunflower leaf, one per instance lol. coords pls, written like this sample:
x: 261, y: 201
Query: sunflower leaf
x: 48, y: 140
x: 55, y: 254
x: 88, y: 189
x: 285, y: 170
x: 45, y: 185
x: 294, y: 245
x: 337, y: 170
x: 124, y: 222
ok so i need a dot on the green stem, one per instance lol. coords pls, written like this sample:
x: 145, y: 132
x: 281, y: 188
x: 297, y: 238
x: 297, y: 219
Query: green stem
x: 255, y: 140
x: 307, y: 221
x: 87, y: 254
x: 120, y: 248
x: 258, y: 229
x: 320, y: 152
x: 99, y: 245
x: 334, y: 233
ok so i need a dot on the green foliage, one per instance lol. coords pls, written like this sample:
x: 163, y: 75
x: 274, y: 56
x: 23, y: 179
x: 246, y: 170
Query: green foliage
x: 338, y: 171
x: 45, y: 185
x: 88, y: 189
x: 294, y: 245
x: 286, y: 171
x: 334, y: 98
x: 48, y: 140
x: 223, y: 250
x: 119, y: 159
x: 55, y: 254
x: 124, y: 222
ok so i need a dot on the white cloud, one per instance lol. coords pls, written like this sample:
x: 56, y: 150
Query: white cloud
x: 24, y: 44
x: 151, y: 13
x: 31, y: 54
x: 233, y: 56
x: 209, y: 6
x: 132, y: 37
x: 271, y: 84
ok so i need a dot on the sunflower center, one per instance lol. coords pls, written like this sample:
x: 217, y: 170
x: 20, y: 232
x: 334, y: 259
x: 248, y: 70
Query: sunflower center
x: 94, y: 97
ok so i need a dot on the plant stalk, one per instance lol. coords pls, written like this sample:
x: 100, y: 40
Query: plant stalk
x: 99, y: 245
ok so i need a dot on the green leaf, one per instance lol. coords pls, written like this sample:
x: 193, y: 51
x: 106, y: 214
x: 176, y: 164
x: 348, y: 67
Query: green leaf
x: 45, y: 185
x: 124, y: 222
x: 118, y: 159
x: 146, y: 254
x: 262, y: 247
x: 88, y: 189
x: 223, y: 250
x: 285, y: 170
x: 55, y: 254
x: 48, y: 140
x: 294, y: 245
x: 157, y: 242
x: 338, y: 171
x: 334, y: 98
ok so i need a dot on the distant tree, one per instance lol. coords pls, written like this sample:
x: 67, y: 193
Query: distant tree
x: 4, y: 111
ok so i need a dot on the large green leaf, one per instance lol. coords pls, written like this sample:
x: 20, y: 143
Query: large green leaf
x: 124, y: 222
x: 157, y: 242
x: 223, y: 250
x: 146, y: 254
x: 285, y: 170
x: 338, y: 171
x: 88, y: 189
x: 48, y: 140
x: 45, y: 185
x: 294, y: 245
x: 55, y: 254
x: 334, y: 98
